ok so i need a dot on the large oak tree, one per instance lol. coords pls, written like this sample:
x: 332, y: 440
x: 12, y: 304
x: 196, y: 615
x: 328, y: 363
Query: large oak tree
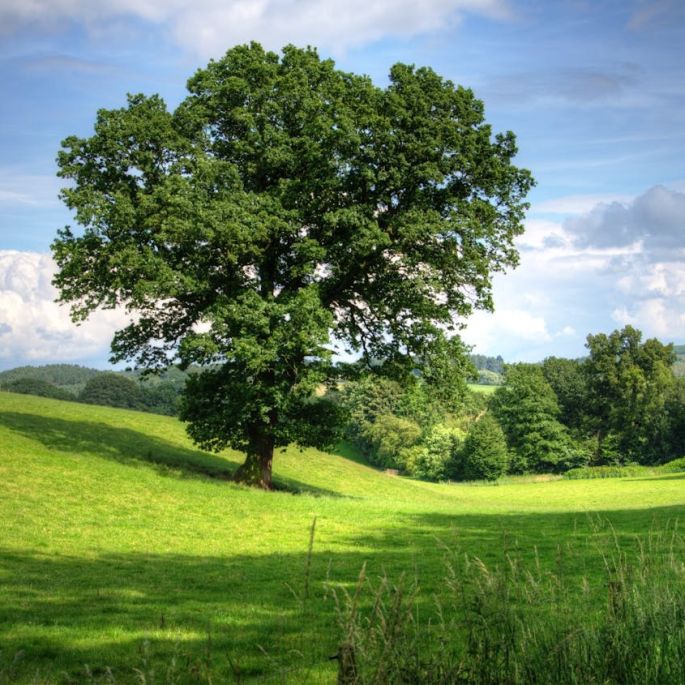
x: 285, y: 205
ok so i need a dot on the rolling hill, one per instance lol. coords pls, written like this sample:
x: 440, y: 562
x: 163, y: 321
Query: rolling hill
x: 124, y: 547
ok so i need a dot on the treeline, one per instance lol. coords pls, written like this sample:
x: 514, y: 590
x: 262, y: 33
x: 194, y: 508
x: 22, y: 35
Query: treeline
x: 490, y: 370
x: 130, y: 390
x: 621, y: 404
x: 70, y: 377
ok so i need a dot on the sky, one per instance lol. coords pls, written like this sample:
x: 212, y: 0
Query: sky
x: 593, y: 89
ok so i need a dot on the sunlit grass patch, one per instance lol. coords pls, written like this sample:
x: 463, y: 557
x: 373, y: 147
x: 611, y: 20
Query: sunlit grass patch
x: 124, y: 546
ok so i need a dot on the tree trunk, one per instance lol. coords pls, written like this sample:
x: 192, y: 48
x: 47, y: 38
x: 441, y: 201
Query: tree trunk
x: 256, y: 471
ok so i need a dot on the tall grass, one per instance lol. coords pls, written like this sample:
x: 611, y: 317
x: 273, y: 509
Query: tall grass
x: 625, y: 471
x: 514, y: 624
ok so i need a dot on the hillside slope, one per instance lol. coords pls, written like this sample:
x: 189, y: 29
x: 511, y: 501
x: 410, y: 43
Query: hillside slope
x: 121, y: 544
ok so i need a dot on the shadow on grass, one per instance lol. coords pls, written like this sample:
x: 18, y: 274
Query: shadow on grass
x: 62, y: 612
x: 662, y: 476
x: 129, y: 446
x: 347, y: 450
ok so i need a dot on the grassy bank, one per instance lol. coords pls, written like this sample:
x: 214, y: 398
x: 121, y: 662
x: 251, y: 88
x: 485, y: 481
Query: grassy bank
x: 124, y: 547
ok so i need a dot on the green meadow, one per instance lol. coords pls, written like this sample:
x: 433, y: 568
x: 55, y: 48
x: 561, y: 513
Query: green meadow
x: 126, y: 555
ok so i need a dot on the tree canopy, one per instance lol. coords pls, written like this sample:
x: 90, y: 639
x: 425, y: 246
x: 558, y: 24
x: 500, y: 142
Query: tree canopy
x: 283, y: 208
x: 528, y: 411
x: 629, y: 384
x: 112, y: 390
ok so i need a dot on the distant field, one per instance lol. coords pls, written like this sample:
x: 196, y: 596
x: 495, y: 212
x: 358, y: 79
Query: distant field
x: 122, y: 545
x: 485, y: 389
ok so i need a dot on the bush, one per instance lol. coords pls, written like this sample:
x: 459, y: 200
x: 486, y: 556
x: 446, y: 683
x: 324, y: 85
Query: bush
x: 388, y: 436
x: 626, y: 471
x: 439, y: 448
x: 614, y: 471
x: 427, y: 465
x: 674, y: 466
x: 484, y: 455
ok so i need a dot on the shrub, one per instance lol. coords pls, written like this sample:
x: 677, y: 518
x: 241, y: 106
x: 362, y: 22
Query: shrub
x: 409, y: 459
x: 440, y: 447
x: 388, y: 435
x: 613, y: 471
x: 674, y: 466
x: 428, y: 465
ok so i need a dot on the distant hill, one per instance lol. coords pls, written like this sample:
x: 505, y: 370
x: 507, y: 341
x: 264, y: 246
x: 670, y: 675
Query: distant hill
x: 156, y: 393
x: 71, y: 377
x: 490, y: 369
x: 173, y: 375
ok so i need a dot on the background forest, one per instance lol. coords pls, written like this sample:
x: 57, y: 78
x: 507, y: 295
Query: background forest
x: 622, y: 404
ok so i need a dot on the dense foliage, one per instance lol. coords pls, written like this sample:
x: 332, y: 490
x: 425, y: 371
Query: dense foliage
x: 65, y: 376
x: 112, y: 390
x: 284, y: 204
x: 406, y: 426
x: 629, y: 383
x: 622, y: 404
x: 484, y: 455
x: 528, y: 411
x: 38, y: 387
x: 159, y: 394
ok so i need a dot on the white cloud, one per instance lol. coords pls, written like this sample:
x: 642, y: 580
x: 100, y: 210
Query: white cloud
x: 611, y: 264
x: 33, y: 328
x: 209, y: 27
x: 662, y: 279
x: 520, y: 328
x: 540, y: 233
x: 656, y: 317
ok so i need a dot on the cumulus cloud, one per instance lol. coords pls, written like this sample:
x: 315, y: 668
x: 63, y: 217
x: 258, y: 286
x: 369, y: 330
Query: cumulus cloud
x: 656, y: 317
x: 614, y: 260
x: 33, y: 328
x: 618, y: 261
x: 656, y: 219
x: 515, y: 328
x: 207, y: 27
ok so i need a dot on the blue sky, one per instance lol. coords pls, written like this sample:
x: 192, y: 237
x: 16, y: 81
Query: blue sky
x: 595, y: 92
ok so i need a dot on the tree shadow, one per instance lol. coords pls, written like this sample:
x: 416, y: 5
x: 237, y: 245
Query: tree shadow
x: 132, y: 447
x: 273, y: 614
x: 662, y: 476
x: 346, y: 450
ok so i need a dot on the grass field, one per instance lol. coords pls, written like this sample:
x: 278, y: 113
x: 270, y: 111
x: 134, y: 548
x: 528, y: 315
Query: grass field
x: 123, y: 547
x: 485, y: 389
